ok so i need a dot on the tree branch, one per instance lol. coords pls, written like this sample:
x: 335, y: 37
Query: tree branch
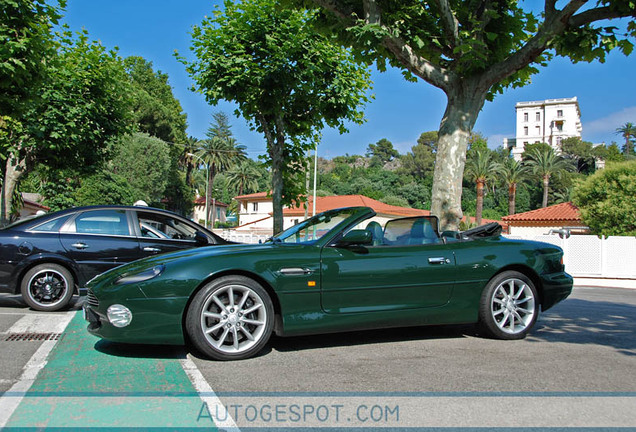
x: 416, y: 64
x: 596, y: 14
x: 406, y: 55
x: 555, y: 24
x: 337, y: 9
x: 549, y: 8
x: 451, y: 25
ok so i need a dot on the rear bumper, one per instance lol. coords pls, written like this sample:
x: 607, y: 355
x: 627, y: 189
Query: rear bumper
x: 556, y: 287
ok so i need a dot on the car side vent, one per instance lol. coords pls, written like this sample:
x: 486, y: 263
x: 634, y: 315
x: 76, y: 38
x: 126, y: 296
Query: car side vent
x: 91, y: 299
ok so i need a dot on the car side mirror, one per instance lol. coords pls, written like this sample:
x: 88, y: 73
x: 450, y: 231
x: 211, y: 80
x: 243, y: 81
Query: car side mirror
x: 201, y: 239
x: 358, y: 237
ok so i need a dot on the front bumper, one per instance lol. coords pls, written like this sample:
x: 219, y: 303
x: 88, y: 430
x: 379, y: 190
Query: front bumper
x: 154, y: 321
x: 556, y: 287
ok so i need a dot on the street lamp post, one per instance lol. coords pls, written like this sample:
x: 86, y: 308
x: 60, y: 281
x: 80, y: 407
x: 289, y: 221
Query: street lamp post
x: 207, y: 187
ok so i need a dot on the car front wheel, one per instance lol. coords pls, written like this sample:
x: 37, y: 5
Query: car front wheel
x: 231, y: 318
x: 509, y: 306
x: 47, y: 287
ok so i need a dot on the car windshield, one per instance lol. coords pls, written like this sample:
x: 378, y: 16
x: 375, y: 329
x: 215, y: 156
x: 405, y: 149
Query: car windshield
x: 313, y: 228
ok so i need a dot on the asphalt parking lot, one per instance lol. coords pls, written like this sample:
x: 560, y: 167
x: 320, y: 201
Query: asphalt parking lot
x: 577, y: 368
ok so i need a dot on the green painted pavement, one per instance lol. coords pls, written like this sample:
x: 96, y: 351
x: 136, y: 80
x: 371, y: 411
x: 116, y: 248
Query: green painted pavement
x: 88, y: 382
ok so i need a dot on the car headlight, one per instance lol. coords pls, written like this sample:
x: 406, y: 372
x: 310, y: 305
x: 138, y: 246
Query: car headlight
x: 119, y: 315
x: 142, y: 276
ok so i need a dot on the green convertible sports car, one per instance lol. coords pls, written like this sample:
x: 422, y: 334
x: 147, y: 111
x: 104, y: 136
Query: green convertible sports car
x: 342, y: 270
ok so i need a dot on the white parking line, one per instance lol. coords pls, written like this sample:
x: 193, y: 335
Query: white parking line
x: 214, y: 405
x: 53, y: 323
x: 42, y: 323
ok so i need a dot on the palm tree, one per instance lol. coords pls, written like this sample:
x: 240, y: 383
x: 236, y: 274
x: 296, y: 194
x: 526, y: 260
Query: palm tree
x: 219, y: 155
x: 479, y: 169
x: 546, y: 163
x: 511, y: 173
x: 219, y: 152
x: 627, y: 131
x: 244, y: 176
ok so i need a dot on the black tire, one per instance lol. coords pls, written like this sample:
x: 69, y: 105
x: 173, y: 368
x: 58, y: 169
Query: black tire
x: 231, y: 318
x: 509, y: 306
x: 47, y: 287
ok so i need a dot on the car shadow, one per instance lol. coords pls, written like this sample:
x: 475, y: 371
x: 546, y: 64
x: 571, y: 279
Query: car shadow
x: 12, y: 301
x: 578, y: 321
x: 15, y: 302
x: 369, y: 337
x: 117, y: 349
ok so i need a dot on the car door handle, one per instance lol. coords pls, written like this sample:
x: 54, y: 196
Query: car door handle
x: 152, y: 249
x: 79, y: 245
x: 295, y: 271
x: 439, y: 260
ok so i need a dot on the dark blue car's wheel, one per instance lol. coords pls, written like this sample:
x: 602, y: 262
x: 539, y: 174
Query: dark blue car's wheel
x: 47, y: 287
x: 231, y: 318
x: 509, y: 306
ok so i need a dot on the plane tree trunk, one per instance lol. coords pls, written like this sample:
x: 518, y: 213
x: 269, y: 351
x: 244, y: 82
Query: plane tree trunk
x: 465, y: 100
x: 15, y: 167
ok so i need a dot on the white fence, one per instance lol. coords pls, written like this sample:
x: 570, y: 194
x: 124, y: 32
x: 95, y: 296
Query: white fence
x: 591, y: 256
x: 234, y: 236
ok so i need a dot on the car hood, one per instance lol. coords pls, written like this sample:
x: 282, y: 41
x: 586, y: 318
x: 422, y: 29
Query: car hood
x: 172, y: 258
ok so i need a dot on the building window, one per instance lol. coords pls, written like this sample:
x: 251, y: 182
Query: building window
x: 538, y: 116
x: 559, y: 113
x: 558, y: 141
x: 255, y: 207
x: 538, y: 130
x: 525, y: 130
x: 525, y: 117
x: 559, y: 126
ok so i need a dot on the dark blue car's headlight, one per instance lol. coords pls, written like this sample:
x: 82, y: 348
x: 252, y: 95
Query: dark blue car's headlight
x: 142, y: 276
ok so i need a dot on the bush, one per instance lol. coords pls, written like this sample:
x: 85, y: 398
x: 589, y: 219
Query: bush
x: 607, y: 200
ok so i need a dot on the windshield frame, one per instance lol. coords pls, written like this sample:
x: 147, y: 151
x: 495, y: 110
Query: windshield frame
x: 354, y: 215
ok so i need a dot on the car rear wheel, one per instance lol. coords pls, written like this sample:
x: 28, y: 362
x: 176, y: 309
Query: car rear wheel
x: 47, y: 287
x: 509, y: 306
x: 231, y: 318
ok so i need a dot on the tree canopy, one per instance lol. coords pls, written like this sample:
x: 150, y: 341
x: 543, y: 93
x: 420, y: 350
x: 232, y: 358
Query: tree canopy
x: 472, y: 50
x: 607, y: 200
x: 155, y: 109
x: 287, y: 80
x: 82, y: 103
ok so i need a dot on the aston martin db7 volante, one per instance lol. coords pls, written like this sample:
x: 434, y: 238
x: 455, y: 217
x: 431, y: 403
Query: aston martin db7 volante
x: 341, y: 270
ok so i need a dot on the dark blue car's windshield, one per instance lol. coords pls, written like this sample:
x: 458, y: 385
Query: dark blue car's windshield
x: 313, y: 228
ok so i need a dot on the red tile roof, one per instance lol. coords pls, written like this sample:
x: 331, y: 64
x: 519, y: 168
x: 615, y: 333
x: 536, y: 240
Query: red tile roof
x: 254, y: 196
x: 338, y: 201
x: 201, y: 201
x: 565, y: 212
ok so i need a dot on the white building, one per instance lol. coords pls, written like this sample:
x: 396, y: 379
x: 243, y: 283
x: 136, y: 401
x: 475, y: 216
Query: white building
x: 549, y: 121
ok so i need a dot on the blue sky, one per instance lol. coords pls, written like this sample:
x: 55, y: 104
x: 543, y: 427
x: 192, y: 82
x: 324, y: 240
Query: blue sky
x: 154, y: 29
